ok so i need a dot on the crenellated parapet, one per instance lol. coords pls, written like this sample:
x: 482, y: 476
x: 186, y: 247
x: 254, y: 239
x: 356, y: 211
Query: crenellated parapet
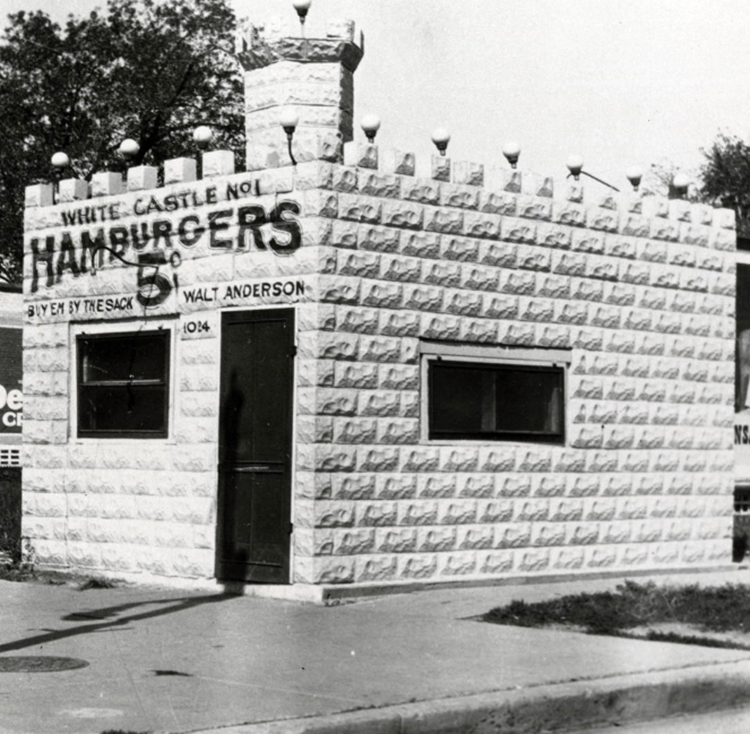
x: 433, y: 181
x: 138, y: 178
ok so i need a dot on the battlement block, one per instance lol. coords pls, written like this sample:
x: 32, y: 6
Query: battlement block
x: 180, y: 170
x: 572, y: 191
x: 703, y: 214
x: 218, y: 163
x: 607, y: 200
x: 39, y: 195
x: 72, y: 189
x: 362, y: 155
x: 681, y: 210
x: 503, y: 179
x: 342, y: 28
x: 397, y: 161
x: 106, y: 183
x: 632, y: 202
x: 536, y: 185
x: 465, y: 172
x: 655, y: 206
x: 725, y: 218
x: 437, y: 167
x: 142, y: 177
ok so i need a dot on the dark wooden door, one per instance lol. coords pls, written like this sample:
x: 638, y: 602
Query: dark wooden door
x: 255, y: 446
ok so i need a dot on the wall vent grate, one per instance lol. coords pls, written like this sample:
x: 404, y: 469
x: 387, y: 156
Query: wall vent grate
x: 10, y: 457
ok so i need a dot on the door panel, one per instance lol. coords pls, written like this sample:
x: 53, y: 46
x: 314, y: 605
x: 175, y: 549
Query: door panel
x: 255, y: 446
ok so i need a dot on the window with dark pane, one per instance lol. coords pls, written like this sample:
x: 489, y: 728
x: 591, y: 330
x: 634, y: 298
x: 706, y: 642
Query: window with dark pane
x: 742, y: 345
x: 123, y: 382
x: 496, y: 401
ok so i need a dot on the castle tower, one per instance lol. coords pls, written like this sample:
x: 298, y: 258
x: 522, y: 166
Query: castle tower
x: 315, y: 76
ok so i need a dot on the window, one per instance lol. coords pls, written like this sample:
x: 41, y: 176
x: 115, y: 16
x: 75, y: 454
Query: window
x: 742, y: 367
x: 742, y: 342
x: 123, y: 384
x: 516, y: 399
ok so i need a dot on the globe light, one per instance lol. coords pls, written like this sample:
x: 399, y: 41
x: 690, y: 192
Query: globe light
x: 60, y: 160
x: 512, y: 151
x: 575, y: 165
x: 129, y: 148
x: 370, y: 125
x: 634, y: 174
x: 289, y: 120
x: 441, y: 137
x: 680, y: 184
x: 202, y: 136
x: 302, y: 6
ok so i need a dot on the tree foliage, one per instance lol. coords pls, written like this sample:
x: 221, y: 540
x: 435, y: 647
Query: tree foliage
x: 725, y: 177
x: 143, y: 70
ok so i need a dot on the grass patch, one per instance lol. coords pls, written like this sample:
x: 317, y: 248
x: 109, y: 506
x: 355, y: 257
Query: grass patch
x: 28, y: 573
x: 17, y: 572
x: 717, y: 609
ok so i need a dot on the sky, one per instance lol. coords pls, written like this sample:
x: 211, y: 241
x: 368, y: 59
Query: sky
x: 619, y: 82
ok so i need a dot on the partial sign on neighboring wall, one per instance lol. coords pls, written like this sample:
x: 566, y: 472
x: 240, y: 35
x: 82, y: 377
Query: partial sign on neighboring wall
x: 11, y: 372
x: 11, y: 396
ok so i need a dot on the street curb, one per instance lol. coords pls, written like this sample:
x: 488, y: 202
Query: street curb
x: 556, y: 707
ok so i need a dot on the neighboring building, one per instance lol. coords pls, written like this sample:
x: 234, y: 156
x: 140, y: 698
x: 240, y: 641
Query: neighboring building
x: 11, y: 395
x: 352, y: 372
x: 742, y: 401
x: 11, y: 418
x: 742, y: 365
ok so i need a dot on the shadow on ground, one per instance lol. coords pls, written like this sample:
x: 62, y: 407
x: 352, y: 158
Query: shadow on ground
x: 113, y: 617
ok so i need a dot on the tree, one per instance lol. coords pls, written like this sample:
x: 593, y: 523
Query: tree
x: 143, y: 70
x: 725, y: 177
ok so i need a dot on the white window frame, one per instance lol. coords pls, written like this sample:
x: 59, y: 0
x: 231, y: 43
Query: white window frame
x: 492, y: 355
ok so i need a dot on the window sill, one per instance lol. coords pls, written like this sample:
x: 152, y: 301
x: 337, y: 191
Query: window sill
x: 124, y: 440
x: 489, y: 442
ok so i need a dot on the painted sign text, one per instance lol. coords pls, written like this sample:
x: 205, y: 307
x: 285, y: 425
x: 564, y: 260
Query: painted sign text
x: 149, y: 245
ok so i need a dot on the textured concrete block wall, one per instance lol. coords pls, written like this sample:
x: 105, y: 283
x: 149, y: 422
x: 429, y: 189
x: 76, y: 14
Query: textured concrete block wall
x: 110, y: 505
x: 641, y: 290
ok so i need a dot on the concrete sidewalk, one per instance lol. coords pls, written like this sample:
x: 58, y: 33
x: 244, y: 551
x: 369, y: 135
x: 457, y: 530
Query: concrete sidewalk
x: 171, y: 661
